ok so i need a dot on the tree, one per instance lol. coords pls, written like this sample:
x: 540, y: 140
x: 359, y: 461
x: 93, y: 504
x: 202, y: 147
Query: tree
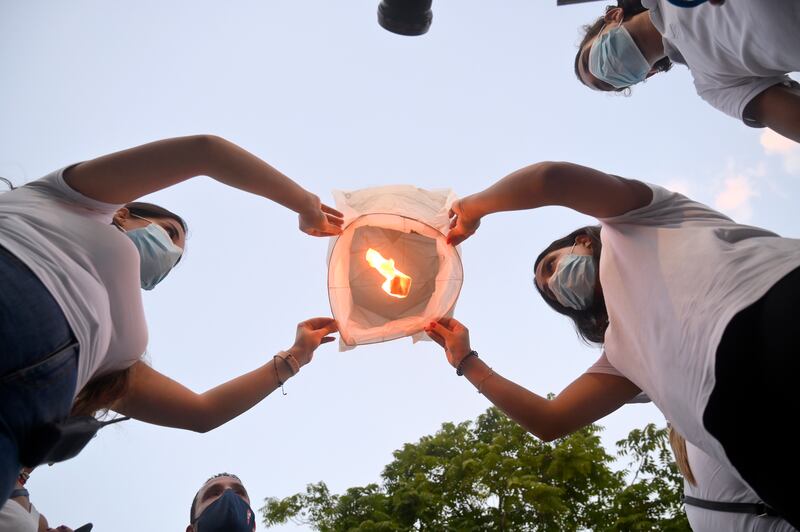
x: 491, y: 474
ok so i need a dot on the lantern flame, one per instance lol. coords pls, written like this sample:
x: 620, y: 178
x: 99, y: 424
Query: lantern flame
x: 397, y: 283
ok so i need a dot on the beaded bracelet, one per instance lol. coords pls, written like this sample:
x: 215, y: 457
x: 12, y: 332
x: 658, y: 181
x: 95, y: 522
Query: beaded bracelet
x: 460, y: 367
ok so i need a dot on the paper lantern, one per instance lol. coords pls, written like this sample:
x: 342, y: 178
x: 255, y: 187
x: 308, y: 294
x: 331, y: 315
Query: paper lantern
x: 391, y: 270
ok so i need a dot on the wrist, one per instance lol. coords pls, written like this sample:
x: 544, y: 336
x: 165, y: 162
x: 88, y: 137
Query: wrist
x: 297, y: 355
x: 466, y: 359
x: 475, y: 370
x: 309, y: 205
x: 471, y: 208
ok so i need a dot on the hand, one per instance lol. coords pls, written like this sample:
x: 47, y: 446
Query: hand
x: 320, y: 220
x: 310, y: 335
x: 453, y: 336
x: 462, y: 223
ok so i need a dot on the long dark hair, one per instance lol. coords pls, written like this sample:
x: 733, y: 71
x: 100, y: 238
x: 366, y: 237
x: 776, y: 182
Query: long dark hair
x: 590, y: 323
x: 629, y: 9
x: 100, y: 393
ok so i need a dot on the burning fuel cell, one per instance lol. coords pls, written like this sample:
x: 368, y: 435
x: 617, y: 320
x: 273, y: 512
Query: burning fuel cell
x: 397, y: 284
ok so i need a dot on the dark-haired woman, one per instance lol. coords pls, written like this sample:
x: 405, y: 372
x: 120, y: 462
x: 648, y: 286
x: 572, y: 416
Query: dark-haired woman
x: 691, y: 308
x: 74, y: 255
x: 738, y: 54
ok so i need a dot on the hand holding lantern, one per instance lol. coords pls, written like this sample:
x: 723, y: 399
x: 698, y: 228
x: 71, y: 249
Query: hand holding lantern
x: 319, y: 219
x: 453, y: 336
x: 463, y: 223
x: 310, y: 335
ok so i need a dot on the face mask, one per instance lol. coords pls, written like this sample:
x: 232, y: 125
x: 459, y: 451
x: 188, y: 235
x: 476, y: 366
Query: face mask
x: 157, y: 253
x: 574, y: 281
x: 229, y: 513
x: 615, y: 59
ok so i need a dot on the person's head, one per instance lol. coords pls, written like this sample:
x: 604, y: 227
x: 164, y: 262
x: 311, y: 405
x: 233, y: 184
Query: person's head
x: 159, y: 236
x: 609, y: 58
x: 566, y: 275
x: 221, y: 504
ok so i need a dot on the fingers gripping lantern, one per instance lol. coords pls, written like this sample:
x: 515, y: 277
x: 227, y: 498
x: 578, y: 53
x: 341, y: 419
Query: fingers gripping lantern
x: 391, y: 270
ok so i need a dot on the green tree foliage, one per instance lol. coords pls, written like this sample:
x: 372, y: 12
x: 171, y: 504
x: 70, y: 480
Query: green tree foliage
x: 491, y: 474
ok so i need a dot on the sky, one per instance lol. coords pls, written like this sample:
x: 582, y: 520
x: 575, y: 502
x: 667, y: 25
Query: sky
x: 321, y: 92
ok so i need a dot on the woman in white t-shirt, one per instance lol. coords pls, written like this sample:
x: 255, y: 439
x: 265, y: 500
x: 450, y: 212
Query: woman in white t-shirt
x: 739, y: 54
x: 691, y: 308
x: 715, y: 499
x: 74, y: 256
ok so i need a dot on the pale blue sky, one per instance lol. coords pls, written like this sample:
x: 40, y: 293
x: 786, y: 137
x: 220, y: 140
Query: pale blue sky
x: 320, y: 91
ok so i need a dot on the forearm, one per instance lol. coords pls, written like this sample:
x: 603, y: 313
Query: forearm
x: 520, y: 190
x: 230, y: 399
x: 778, y: 108
x: 531, y: 411
x: 238, y: 168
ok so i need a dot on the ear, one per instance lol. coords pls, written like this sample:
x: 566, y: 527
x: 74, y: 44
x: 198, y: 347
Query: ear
x: 190, y: 528
x: 121, y: 215
x: 584, y: 240
x: 614, y: 14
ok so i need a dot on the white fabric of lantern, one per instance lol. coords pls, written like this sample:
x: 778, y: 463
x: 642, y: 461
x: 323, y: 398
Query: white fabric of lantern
x: 407, y: 225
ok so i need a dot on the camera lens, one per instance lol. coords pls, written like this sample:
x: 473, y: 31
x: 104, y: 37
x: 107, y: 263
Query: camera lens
x: 405, y: 17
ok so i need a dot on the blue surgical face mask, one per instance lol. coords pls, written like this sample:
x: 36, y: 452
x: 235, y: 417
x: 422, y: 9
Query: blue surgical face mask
x: 615, y: 59
x: 157, y: 253
x: 229, y: 513
x: 573, y: 283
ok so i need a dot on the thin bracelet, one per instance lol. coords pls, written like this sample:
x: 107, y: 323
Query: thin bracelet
x: 291, y: 361
x: 491, y: 374
x: 294, y: 365
x: 277, y: 377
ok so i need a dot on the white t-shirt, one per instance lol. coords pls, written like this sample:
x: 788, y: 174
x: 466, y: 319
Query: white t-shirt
x: 716, y: 482
x: 15, y: 518
x: 89, y: 266
x: 674, y: 273
x: 734, y: 51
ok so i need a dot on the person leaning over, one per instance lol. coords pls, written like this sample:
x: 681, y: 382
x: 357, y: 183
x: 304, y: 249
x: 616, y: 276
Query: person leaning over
x: 75, y: 252
x: 739, y: 54
x: 689, y: 307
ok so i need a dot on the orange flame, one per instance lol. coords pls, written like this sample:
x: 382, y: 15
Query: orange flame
x: 397, y: 283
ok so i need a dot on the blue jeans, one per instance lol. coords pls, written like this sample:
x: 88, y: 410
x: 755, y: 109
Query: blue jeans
x: 38, y: 363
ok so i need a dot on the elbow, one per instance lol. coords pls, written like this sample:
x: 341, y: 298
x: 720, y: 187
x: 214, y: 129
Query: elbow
x: 548, y: 436
x: 210, y: 150
x: 201, y: 427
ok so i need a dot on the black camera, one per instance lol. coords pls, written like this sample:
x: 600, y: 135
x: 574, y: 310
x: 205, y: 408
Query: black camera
x: 405, y: 17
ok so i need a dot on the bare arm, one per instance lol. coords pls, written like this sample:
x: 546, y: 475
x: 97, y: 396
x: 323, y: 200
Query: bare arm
x: 589, y: 398
x: 549, y: 183
x: 127, y: 175
x: 778, y: 108
x: 155, y: 398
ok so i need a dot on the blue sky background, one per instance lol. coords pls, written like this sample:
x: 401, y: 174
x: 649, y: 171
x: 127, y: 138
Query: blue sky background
x: 320, y: 91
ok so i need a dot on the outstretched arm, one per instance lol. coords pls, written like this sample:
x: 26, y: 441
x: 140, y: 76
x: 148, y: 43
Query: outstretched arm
x: 155, y: 398
x: 549, y: 183
x: 127, y: 175
x: 778, y: 108
x: 589, y: 398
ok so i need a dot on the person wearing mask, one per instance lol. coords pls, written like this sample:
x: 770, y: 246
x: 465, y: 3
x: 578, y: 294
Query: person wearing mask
x: 688, y: 306
x: 739, y: 55
x: 715, y: 498
x: 75, y: 251
x: 221, y: 505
